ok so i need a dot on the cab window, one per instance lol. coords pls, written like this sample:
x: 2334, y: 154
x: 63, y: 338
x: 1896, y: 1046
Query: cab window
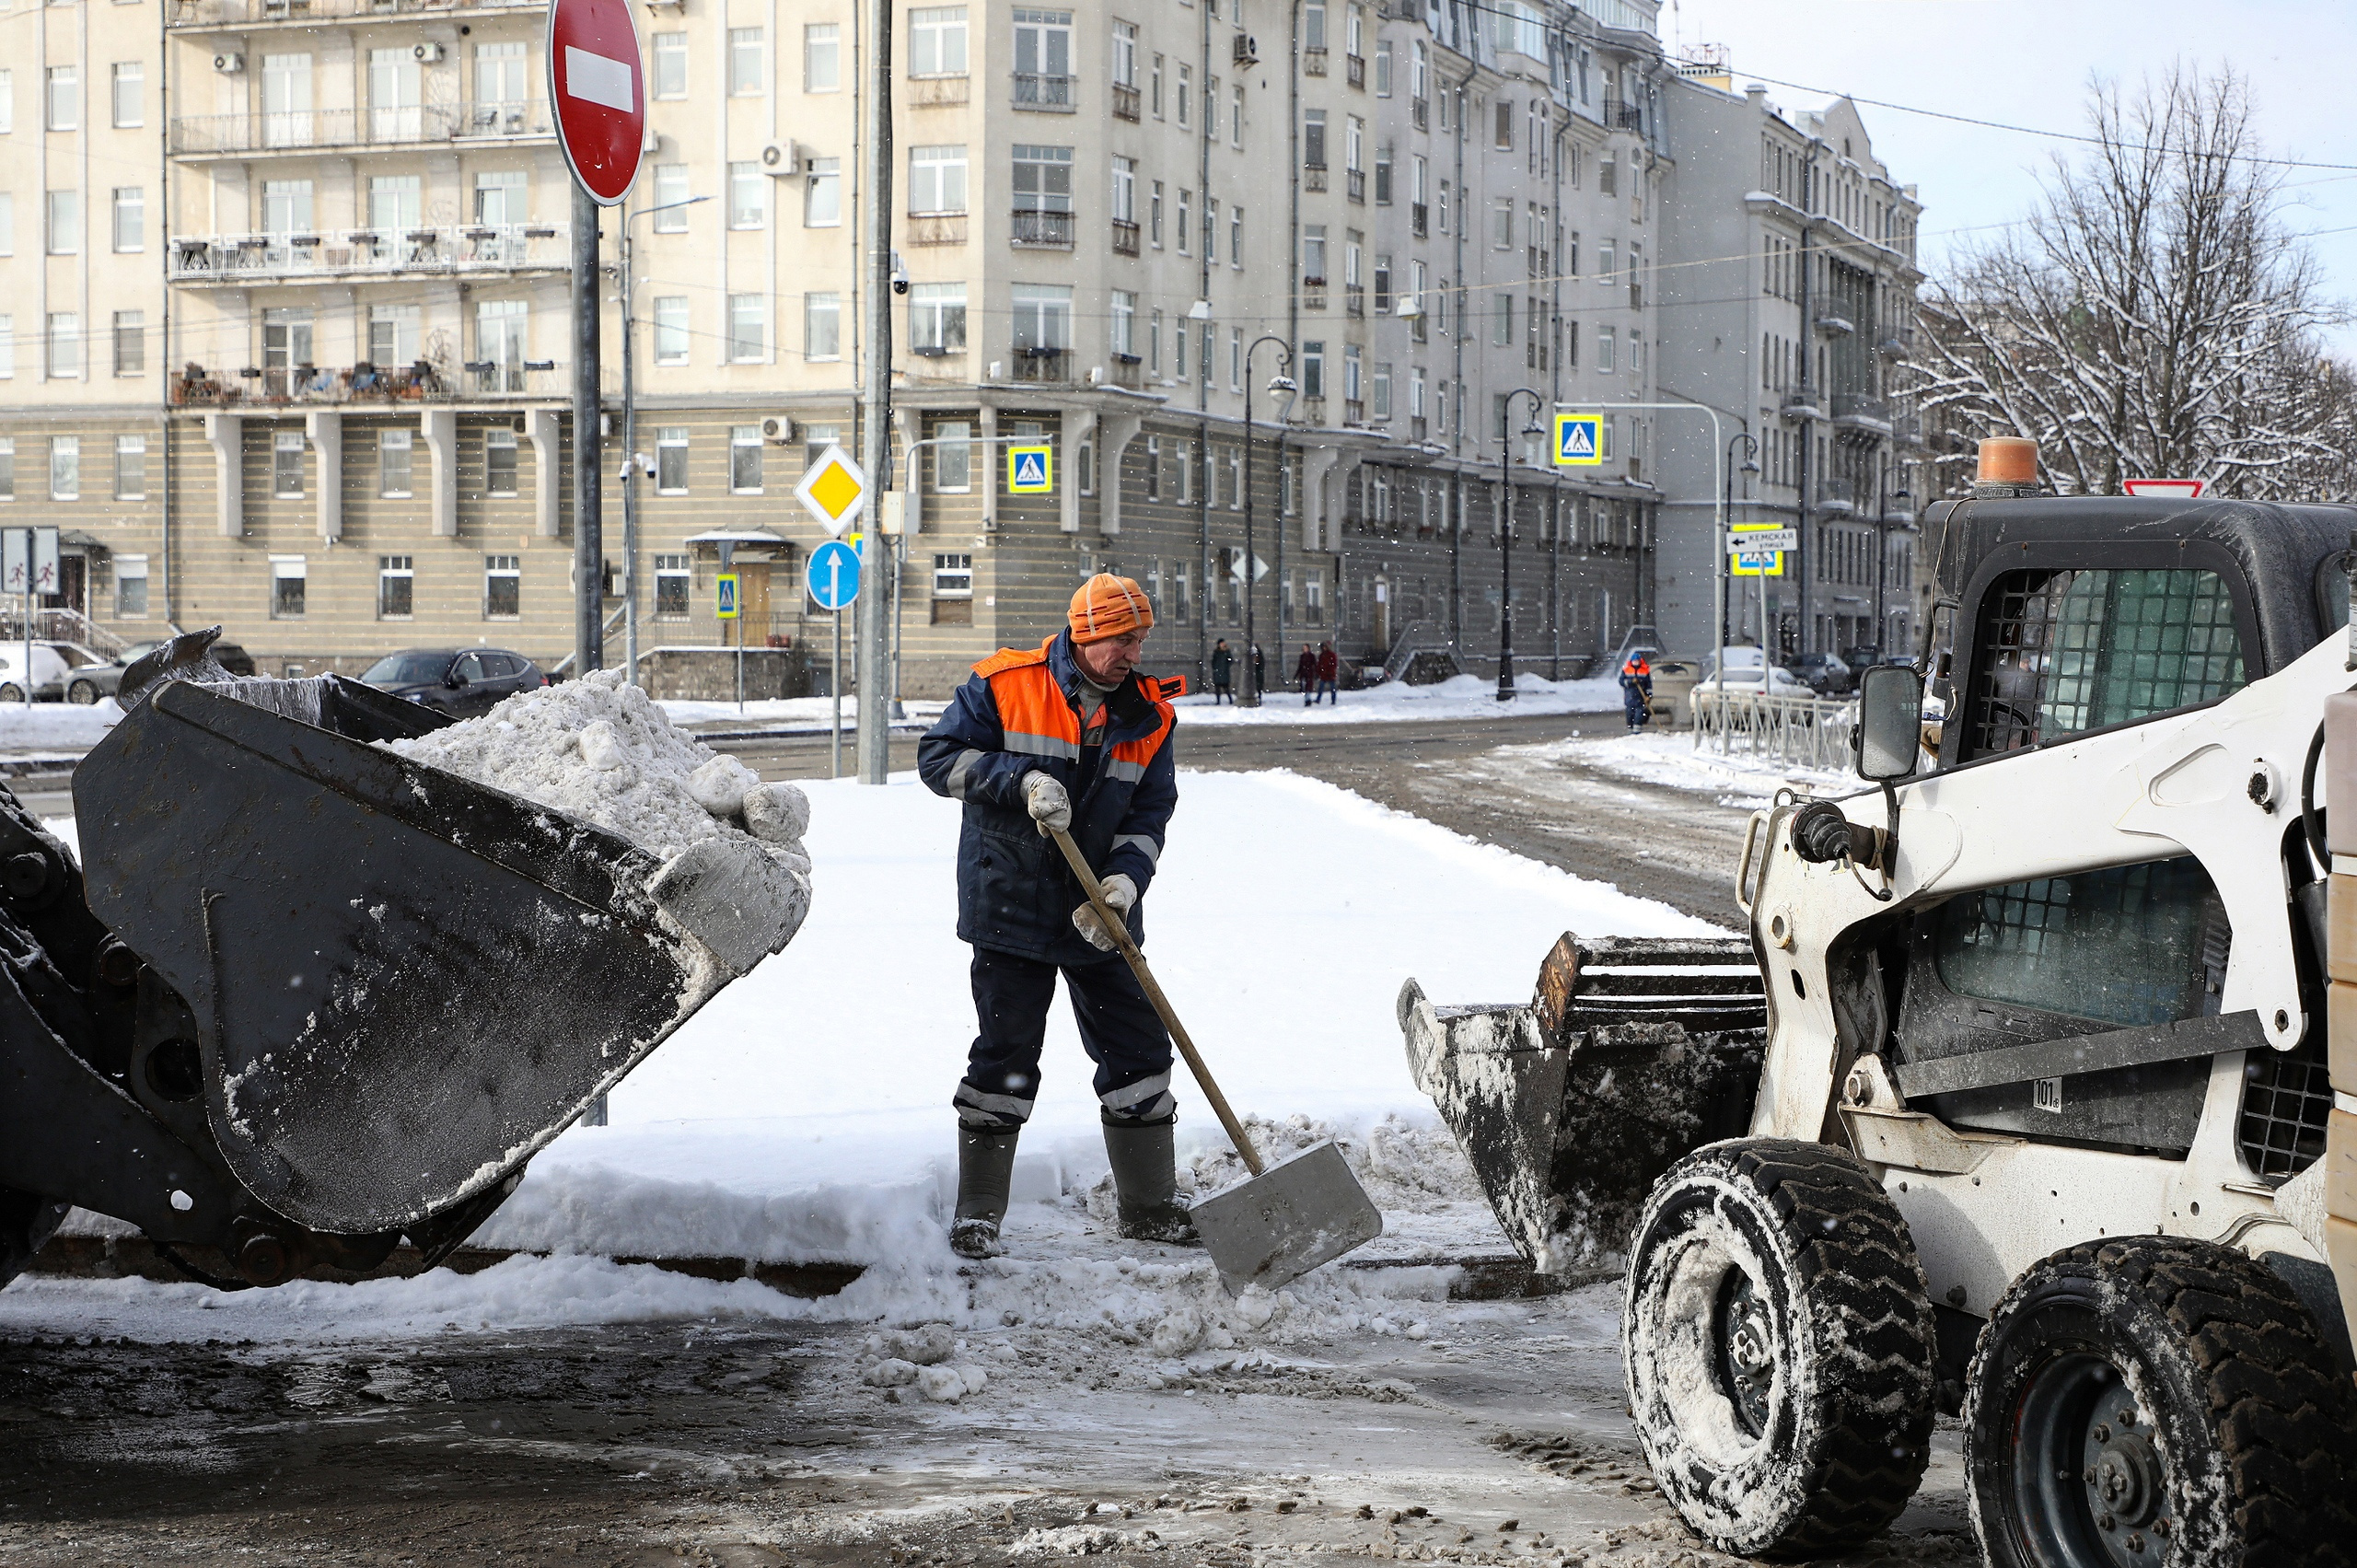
x: 2133, y: 946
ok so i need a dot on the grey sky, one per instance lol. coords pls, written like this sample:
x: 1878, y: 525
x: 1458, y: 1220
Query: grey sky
x: 2029, y: 62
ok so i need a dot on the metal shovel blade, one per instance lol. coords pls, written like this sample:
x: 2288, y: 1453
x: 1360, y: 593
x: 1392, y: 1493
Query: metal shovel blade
x: 1275, y: 1227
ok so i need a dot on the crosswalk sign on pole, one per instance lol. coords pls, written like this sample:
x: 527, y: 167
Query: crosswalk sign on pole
x: 1760, y: 562
x: 1030, y: 471
x: 725, y: 598
x: 1579, y: 440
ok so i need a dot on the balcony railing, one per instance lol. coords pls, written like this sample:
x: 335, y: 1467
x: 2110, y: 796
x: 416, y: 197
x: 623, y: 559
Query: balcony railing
x: 241, y: 258
x: 1125, y: 102
x: 1125, y: 238
x: 1129, y: 370
x: 1354, y: 410
x: 1313, y: 176
x: 1313, y: 293
x: 317, y: 130
x: 939, y: 92
x: 1313, y: 61
x: 1623, y: 116
x: 1357, y: 186
x: 937, y: 228
x: 204, y: 14
x: 1858, y: 416
x: 1354, y: 303
x: 1803, y: 405
x: 1907, y: 427
x: 364, y: 384
x: 1418, y: 218
x: 1420, y: 113
x: 1044, y: 365
x: 1416, y: 427
x: 1053, y: 93
x: 1833, y: 323
x: 1050, y: 231
x: 1897, y: 344
x: 1354, y: 69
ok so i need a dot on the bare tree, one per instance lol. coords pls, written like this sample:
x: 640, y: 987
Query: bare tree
x: 2152, y: 316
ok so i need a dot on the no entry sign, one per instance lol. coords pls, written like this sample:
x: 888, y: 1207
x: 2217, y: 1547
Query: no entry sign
x: 597, y: 84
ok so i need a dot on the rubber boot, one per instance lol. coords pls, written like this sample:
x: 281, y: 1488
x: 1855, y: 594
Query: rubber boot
x: 1145, y: 1183
x: 985, y: 1176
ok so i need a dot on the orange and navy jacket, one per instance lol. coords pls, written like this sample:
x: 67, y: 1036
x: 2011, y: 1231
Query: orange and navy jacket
x: 1016, y: 714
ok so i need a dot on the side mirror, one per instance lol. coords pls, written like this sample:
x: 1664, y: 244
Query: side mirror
x: 1890, y: 723
x: 454, y: 680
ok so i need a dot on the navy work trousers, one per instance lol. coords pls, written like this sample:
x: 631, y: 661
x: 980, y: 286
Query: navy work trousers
x: 1119, y: 1028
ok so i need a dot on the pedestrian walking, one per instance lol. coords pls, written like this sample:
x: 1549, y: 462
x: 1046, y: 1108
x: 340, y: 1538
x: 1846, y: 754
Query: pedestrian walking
x: 1305, y: 671
x: 1330, y: 667
x: 1259, y: 673
x: 1223, y: 673
x: 1637, y: 691
x: 1065, y: 736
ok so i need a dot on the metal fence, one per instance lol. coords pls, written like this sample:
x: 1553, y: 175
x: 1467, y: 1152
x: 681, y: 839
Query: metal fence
x: 1799, y: 732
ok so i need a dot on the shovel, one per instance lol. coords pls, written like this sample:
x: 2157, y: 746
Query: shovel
x: 1284, y: 1219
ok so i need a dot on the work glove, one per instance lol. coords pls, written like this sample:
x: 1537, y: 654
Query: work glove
x: 1121, y: 895
x: 1044, y: 797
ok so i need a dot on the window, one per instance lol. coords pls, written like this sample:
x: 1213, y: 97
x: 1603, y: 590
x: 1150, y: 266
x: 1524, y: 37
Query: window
x: 1125, y: 190
x: 392, y: 334
x: 744, y: 460
x: 953, y: 460
x: 501, y: 327
x: 672, y: 577
x: 7, y: 101
x: 1440, y: 209
x: 393, y: 447
x: 1186, y: 92
x: 1153, y: 214
x: 1154, y: 367
x: 953, y: 577
x: 1153, y: 87
x: 1383, y: 70
x: 821, y: 57
x: 1313, y: 138
x: 1042, y: 179
x: 1236, y: 236
x: 670, y: 65
x: 287, y: 588
x: 1503, y: 117
x: 938, y: 318
x: 1313, y: 28
x: 672, y: 459
x: 822, y: 316
x: 286, y: 465
x: 396, y: 587
x: 1313, y: 253
x: 7, y: 223
x: 285, y: 208
x: 1123, y: 341
x: 937, y: 41
x: 1502, y: 224
x: 503, y: 587
x: 1186, y: 219
x: 1379, y: 403
x: 131, y: 587
x: 1604, y: 185
x: 936, y: 180
x: 500, y: 89
x: 1125, y: 53
x: 64, y: 98
x: 671, y: 192
x: 1312, y: 369
x: 671, y: 329
x: 1354, y: 144
x: 1042, y: 317
x: 1502, y: 334
x: 499, y: 197
x: 2134, y: 945
x: 1236, y: 359
x: 1353, y: 374
x: 129, y: 77
x: 1043, y: 54
x: 499, y: 461
x: 1235, y: 478
x: 1235, y: 120
x: 1382, y: 160
x: 130, y: 342
x: 823, y: 204
x: 130, y: 468
x: 394, y: 206
x: 64, y: 223
x: 65, y: 468
x: 1604, y: 342
x: 744, y: 60
x: 2065, y: 652
x: 749, y: 196
x: 747, y: 327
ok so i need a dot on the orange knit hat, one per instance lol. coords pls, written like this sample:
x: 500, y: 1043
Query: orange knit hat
x: 1107, y: 606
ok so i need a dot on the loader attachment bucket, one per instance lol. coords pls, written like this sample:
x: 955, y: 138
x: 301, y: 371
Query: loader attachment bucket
x: 404, y: 983
x: 1631, y: 1052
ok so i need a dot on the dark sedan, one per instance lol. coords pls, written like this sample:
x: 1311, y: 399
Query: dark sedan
x: 456, y: 680
x: 1824, y: 674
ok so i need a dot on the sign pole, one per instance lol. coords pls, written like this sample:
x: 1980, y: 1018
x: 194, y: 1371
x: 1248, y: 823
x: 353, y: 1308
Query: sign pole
x: 32, y: 567
x: 875, y: 450
x: 835, y: 690
x: 588, y: 532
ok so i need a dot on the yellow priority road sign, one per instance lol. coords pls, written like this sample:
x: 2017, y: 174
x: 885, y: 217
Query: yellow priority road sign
x: 1030, y: 471
x: 1579, y: 440
x: 833, y: 489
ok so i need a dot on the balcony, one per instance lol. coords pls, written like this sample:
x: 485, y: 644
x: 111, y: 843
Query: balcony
x: 1803, y: 405
x: 201, y: 16
x: 1420, y: 113
x: 1313, y: 61
x: 1623, y: 116
x: 1416, y: 427
x: 939, y: 92
x: 937, y: 228
x: 1418, y: 218
x: 1354, y: 70
x: 1356, y: 185
x: 1125, y: 238
x: 1049, y: 95
x: 1906, y: 428
x: 1354, y: 410
x: 1313, y: 293
x: 1044, y: 365
x: 237, y: 261
x: 1832, y: 323
x: 327, y: 130
x: 1859, y: 416
x: 1897, y: 344
x: 937, y: 361
x: 1125, y: 102
x: 1042, y: 231
x: 1313, y: 176
x: 1129, y: 371
x: 1354, y: 303
x: 364, y: 385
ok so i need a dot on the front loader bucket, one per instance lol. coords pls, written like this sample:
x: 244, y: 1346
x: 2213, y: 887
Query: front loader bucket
x: 403, y: 983
x: 1631, y: 1052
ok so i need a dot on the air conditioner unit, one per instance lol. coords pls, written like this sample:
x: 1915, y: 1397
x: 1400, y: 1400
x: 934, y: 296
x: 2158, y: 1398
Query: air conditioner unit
x: 1247, y: 49
x: 228, y: 65
x: 780, y: 157
x: 428, y: 54
x: 778, y: 428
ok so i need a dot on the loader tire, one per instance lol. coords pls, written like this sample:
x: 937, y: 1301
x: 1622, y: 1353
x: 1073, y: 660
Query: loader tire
x: 1778, y: 1347
x: 2158, y: 1402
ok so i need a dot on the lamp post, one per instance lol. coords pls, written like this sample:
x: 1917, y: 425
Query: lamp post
x: 1882, y: 562
x: 1282, y: 385
x: 1750, y: 445
x: 1505, y: 529
x: 630, y: 445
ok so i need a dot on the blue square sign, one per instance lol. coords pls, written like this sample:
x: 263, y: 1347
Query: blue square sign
x: 1579, y: 440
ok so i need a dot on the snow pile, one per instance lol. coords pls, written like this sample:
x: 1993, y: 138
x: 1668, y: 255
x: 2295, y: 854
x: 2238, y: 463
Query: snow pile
x: 1736, y: 777
x: 48, y: 728
x: 1407, y: 1169
x: 598, y: 750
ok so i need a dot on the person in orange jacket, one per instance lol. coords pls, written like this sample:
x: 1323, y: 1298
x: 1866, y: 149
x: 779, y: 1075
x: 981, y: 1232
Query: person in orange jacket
x: 1637, y: 691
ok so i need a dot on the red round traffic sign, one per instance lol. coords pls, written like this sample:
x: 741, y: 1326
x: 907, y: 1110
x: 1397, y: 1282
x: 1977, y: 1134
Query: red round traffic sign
x: 597, y: 86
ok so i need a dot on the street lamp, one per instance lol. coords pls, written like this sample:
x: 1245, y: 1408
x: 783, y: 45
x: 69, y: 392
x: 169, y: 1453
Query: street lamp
x: 1882, y: 562
x: 1750, y: 445
x: 1282, y: 385
x: 1505, y: 529
x: 630, y: 450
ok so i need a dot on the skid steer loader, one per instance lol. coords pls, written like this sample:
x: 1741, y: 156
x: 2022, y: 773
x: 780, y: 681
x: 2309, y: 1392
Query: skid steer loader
x: 306, y: 997
x: 2042, y: 1112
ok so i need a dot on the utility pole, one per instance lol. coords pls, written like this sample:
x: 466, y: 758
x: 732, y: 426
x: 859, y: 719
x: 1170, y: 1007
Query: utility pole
x: 873, y: 744
x: 588, y: 531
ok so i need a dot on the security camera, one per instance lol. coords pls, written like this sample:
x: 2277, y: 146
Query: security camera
x: 900, y: 275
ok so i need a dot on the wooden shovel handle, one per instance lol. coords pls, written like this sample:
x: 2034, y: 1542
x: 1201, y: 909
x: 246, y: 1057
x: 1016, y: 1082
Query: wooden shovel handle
x: 1118, y: 929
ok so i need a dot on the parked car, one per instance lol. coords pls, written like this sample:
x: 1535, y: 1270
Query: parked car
x: 1747, y: 673
x: 89, y: 674
x: 49, y: 670
x: 1824, y: 674
x: 458, y: 680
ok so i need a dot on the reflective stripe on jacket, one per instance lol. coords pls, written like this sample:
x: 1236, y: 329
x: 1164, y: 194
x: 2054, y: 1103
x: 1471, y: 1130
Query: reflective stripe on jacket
x: 1018, y: 714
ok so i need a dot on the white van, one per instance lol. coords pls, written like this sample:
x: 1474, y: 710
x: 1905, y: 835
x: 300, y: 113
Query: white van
x: 49, y: 673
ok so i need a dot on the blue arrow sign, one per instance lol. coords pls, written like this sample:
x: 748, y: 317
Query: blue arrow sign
x: 833, y: 574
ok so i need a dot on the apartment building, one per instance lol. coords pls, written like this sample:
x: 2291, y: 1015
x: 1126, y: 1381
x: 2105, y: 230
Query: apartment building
x: 1790, y: 309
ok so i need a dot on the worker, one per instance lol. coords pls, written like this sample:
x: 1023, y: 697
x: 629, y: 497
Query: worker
x: 1637, y: 689
x: 1069, y: 736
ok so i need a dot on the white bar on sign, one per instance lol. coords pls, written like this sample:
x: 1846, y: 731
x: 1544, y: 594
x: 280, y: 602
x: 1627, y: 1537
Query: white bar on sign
x: 598, y: 78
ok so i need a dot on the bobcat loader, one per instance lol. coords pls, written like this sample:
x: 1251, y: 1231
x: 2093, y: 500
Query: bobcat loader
x: 306, y: 997
x: 2027, y: 1098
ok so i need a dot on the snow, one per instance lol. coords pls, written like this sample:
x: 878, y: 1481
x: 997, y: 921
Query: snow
x: 1458, y: 697
x: 787, y: 714
x: 47, y: 727
x: 1736, y: 778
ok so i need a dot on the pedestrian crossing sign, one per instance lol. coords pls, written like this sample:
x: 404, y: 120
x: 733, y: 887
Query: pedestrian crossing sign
x: 724, y: 596
x: 1030, y: 471
x: 1579, y: 440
